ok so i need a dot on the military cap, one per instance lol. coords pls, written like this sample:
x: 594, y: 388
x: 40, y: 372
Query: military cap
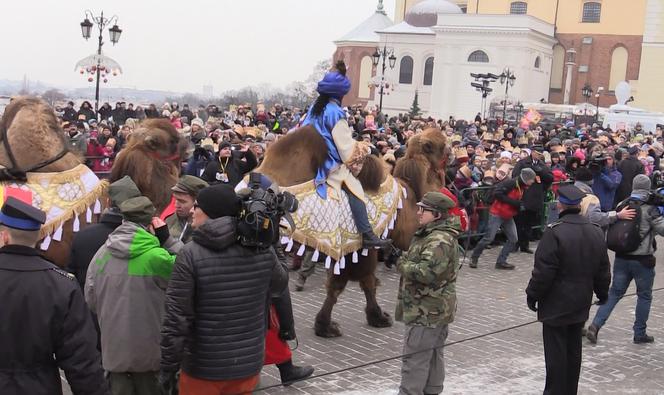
x: 123, y: 189
x: 16, y: 214
x: 139, y: 210
x: 570, y: 195
x: 436, y: 201
x: 190, y: 185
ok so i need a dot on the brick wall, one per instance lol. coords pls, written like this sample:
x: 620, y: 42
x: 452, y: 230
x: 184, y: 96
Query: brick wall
x: 353, y: 58
x: 597, y: 56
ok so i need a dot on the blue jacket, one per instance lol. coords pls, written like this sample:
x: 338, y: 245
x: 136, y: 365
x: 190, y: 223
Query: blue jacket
x: 605, y: 184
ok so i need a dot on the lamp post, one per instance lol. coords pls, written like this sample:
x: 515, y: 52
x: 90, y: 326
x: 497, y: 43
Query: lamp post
x: 384, y: 54
x: 114, y: 34
x: 597, y: 96
x: 507, y: 78
x: 519, y: 108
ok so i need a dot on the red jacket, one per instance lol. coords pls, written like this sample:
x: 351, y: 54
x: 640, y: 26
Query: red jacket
x: 507, y: 199
x: 456, y: 210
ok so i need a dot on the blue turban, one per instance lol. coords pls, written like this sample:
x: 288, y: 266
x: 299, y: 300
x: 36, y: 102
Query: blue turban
x: 334, y: 84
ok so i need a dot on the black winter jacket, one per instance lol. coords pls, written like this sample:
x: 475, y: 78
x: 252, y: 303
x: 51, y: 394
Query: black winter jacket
x: 88, y: 241
x: 45, y: 326
x: 629, y: 168
x: 533, y: 197
x: 571, y: 262
x: 235, y: 169
x: 216, y: 305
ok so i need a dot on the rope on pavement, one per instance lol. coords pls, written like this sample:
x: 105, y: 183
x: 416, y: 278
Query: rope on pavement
x: 379, y: 361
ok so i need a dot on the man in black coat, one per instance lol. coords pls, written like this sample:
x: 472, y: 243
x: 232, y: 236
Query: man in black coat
x: 44, y: 321
x: 571, y: 263
x: 629, y: 167
x: 533, y: 197
x: 217, y: 303
x: 230, y: 168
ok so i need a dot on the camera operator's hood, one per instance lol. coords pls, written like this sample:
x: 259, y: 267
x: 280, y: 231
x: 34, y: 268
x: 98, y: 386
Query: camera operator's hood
x: 216, y: 234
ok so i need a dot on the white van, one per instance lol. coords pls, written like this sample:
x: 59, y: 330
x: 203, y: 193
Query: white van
x: 628, y: 118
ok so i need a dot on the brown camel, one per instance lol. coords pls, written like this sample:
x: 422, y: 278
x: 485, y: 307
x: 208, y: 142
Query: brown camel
x: 295, y: 158
x: 152, y: 158
x: 32, y: 141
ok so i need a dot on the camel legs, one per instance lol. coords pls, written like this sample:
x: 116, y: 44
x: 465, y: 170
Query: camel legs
x: 324, y: 326
x: 376, y: 317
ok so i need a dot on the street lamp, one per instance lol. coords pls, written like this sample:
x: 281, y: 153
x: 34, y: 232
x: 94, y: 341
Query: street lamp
x: 597, y: 95
x: 507, y: 78
x: 481, y: 84
x: 383, y: 54
x: 519, y: 108
x: 114, y: 34
x: 587, y: 91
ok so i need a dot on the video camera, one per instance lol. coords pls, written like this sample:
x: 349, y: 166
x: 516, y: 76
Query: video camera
x: 595, y: 164
x: 262, y: 210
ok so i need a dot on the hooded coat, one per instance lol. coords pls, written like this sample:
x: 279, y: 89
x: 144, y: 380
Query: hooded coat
x: 126, y: 287
x: 216, y: 306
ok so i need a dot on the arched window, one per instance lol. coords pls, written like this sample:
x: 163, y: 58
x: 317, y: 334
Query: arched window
x: 428, y: 71
x: 479, y: 57
x: 538, y: 61
x: 591, y: 12
x: 366, y: 67
x: 406, y: 70
x: 557, y: 67
x: 619, y: 59
x: 518, y: 7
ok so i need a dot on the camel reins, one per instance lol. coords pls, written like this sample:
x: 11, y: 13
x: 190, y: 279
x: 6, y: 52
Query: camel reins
x: 15, y: 168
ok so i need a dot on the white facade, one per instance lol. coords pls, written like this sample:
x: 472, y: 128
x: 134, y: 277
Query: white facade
x: 513, y: 41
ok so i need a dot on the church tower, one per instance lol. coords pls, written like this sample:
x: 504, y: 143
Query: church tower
x: 651, y: 77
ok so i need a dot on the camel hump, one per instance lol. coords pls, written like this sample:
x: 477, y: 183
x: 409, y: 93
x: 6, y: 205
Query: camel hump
x: 295, y: 158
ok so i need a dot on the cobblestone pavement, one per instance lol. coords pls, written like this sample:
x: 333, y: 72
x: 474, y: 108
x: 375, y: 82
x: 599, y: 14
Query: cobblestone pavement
x: 511, y: 362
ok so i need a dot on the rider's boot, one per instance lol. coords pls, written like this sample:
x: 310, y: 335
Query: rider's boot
x: 370, y: 240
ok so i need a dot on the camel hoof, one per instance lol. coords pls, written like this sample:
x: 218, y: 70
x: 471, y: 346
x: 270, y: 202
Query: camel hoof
x: 328, y: 331
x: 379, y: 319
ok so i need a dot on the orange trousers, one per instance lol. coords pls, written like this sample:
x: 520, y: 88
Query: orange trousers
x: 193, y: 386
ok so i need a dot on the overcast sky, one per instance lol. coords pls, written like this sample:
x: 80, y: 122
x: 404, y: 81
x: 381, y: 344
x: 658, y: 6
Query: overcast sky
x: 179, y: 45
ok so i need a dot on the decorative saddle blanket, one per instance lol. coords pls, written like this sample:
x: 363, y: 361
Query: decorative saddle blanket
x: 327, y: 226
x: 63, y: 196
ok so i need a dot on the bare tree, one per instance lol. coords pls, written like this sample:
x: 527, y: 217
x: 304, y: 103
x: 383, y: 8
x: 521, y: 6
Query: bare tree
x: 53, y: 96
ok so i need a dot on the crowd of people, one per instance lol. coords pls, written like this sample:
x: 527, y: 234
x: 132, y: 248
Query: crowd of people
x: 181, y: 300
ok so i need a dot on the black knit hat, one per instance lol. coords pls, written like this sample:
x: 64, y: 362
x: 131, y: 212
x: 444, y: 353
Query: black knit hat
x: 218, y: 201
x: 583, y: 174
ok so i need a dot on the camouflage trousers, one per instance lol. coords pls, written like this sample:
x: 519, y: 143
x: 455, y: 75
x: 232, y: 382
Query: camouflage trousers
x: 424, y: 371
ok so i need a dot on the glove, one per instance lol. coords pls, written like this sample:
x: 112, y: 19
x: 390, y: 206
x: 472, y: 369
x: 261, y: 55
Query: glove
x: 162, y: 234
x: 532, y: 303
x: 168, y: 383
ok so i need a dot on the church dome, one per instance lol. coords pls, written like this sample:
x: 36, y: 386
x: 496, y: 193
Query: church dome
x: 425, y: 13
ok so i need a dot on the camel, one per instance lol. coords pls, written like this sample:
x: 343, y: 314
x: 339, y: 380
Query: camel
x: 294, y: 159
x: 33, y: 150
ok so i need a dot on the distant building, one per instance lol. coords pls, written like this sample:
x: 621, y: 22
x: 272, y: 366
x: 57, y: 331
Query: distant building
x: 555, y: 48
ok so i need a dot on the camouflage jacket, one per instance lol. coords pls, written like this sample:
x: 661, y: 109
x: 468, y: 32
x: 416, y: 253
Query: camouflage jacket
x: 427, y: 291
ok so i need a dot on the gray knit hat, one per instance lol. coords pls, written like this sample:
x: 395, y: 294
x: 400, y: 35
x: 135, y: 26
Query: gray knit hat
x: 641, y: 181
x: 527, y: 175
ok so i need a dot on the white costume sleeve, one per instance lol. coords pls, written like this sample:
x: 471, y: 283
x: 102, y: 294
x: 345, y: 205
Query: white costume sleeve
x: 342, y: 135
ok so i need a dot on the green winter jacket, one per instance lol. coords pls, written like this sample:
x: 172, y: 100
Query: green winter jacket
x: 427, y: 291
x: 126, y: 287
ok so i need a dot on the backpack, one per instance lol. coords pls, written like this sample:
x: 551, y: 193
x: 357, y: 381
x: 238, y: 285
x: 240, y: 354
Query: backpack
x: 624, y: 235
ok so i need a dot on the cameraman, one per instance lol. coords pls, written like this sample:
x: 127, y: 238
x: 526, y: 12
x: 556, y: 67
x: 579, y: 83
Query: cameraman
x: 590, y: 205
x: 638, y: 265
x: 216, y: 303
x: 606, y: 179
